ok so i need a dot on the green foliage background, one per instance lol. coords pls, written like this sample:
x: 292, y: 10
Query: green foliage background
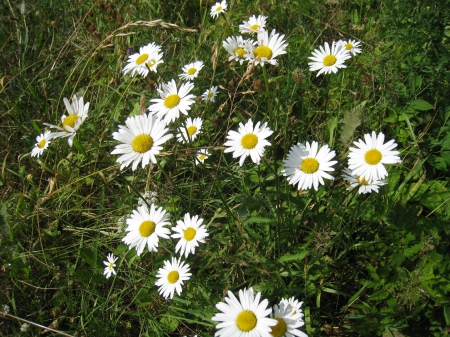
x: 363, y: 264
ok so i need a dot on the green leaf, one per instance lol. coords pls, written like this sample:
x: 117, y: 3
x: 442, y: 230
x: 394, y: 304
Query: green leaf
x: 295, y: 257
x: 420, y: 104
x: 170, y: 323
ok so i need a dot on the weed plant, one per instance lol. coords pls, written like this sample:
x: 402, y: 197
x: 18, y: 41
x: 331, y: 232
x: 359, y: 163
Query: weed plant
x: 374, y: 264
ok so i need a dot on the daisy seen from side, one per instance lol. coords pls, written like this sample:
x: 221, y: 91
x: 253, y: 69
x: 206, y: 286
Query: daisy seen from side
x: 202, y: 154
x: 171, y: 277
x: 149, y: 57
x: 249, y: 140
x: 295, y: 307
x: 145, y: 227
x: 367, y: 159
x: 77, y: 113
x: 287, y: 325
x: 110, y: 263
x: 352, y: 46
x: 191, y: 70
x: 362, y: 184
x: 235, y: 47
x: 172, y: 101
x: 191, y: 232
x: 42, y: 143
x: 246, y: 317
x: 267, y: 48
x: 307, y: 166
x: 254, y: 25
x: 210, y: 94
x: 328, y: 60
x: 190, y: 130
x: 141, y: 140
x: 218, y: 7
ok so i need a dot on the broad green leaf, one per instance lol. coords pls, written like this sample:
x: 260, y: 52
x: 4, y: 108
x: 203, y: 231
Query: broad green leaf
x: 420, y: 104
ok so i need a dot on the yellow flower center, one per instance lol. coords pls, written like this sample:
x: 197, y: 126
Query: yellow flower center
x: 249, y: 141
x: 279, y: 329
x: 189, y: 233
x: 309, y: 165
x: 173, y: 276
x: 210, y: 94
x: 218, y: 9
x: 373, y: 157
x: 111, y: 264
x: 202, y: 157
x: 348, y: 46
x: 262, y: 51
x: 151, y: 63
x: 172, y: 101
x: 255, y: 27
x: 142, y: 143
x: 329, y: 60
x: 191, y: 130
x: 362, y: 181
x: 239, y: 53
x: 146, y: 228
x: 70, y: 121
x: 191, y: 71
x: 42, y: 143
x: 246, y: 320
x: 141, y: 59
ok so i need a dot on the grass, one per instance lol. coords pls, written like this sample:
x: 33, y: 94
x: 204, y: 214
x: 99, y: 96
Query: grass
x: 373, y: 264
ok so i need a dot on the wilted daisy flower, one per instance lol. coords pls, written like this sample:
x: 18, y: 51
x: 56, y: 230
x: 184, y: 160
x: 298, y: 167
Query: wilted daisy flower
x: 364, y: 185
x: 266, y: 49
x: 191, y: 70
x: 190, y: 232
x: 287, y: 325
x: 352, y: 46
x: 149, y: 57
x: 110, y: 264
x: 246, y: 317
x: 172, y: 101
x: 171, y: 277
x: 253, y: 25
x: 248, y: 141
x: 368, y: 158
x: 219, y: 7
x: 235, y: 47
x: 307, y: 166
x: 328, y: 61
x: 295, y: 306
x: 190, y: 130
x: 145, y: 227
x: 142, y: 138
x: 42, y: 143
x: 210, y: 94
x: 202, y: 155
x: 71, y: 123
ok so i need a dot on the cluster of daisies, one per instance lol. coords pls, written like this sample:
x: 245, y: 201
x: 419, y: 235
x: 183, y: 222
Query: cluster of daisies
x: 145, y: 227
x: 250, y: 316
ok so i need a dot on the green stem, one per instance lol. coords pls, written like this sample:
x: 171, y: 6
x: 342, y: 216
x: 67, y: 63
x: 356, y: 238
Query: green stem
x: 269, y: 102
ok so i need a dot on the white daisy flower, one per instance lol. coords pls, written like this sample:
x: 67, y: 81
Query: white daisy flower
x: 248, y: 141
x: 219, y: 7
x: 364, y: 185
x: 190, y: 232
x: 267, y: 48
x: 190, y: 130
x: 328, y: 61
x: 307, y: 166
x: 171, y: 277
x: 110, y: 264
x: 191, y: 70
x: 253, y: 25
x: 287, y: 325
x: 352, y: 46
x: 141, y: 140
x: 42, y: 143
x: 210, y: 94
x: 235, y: 47
x: 71, y: 123
x: 295, y: 307
x: 149, y: 57
x: 202, y: 155
x: 172, y: 101
x: 368, y: 158
x: 145, y: 227
x: 246, y: 317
